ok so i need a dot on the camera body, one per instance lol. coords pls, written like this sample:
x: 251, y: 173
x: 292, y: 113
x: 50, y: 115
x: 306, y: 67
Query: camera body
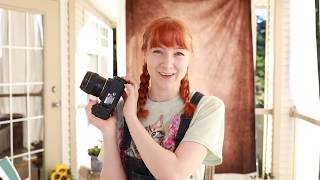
x: 109, y: 92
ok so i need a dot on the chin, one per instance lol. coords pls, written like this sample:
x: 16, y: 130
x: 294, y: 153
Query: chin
x: 168, y: 84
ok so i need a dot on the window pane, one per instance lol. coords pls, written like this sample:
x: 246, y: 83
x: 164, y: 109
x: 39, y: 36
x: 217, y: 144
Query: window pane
x: 264, y: 144
x: 259, y: 143
x: 4, y: 100
x: 37, y: 170
x: 93, y: 63
x: 22, y: 166
x: 35, y: 30
x: 18, y: 28
x: 36, y: 101
x: 20, y: 137
x: 104, y: 32
x: 4, y: 65
x: 3, y: 27
x: 35, y: 65
x: 18, y: 65
x: 104, y: 43
x: 4, y: 136
x: 19, y: 100
x: 36, y: 134
x: 260, y: 57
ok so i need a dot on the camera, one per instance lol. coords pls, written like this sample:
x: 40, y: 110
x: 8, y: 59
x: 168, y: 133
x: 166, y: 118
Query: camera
x: 109, y: 92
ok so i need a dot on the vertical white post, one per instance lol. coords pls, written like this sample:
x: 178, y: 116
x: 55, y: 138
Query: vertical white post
x: 10, y: 83
x: 28, y: 93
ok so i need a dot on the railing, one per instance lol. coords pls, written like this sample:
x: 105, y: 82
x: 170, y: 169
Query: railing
x: 294, y: 113
x: 6, y: 95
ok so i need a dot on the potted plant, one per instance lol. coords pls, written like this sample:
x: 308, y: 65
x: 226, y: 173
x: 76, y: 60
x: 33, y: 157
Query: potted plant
x: 96, y: 164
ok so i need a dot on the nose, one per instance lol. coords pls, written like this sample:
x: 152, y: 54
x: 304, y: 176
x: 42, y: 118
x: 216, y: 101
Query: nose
x: 167, y: 60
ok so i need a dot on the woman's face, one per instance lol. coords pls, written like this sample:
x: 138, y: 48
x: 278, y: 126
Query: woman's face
x: 167, y: 66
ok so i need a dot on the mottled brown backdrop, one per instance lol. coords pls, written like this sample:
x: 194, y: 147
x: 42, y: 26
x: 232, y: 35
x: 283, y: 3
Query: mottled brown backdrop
x: 222, y: 64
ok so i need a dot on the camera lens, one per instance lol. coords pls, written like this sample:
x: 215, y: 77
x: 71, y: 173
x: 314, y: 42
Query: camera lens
x: 92, y: 83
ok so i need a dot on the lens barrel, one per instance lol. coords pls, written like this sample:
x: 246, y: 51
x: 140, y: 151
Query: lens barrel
x: 93, y: 84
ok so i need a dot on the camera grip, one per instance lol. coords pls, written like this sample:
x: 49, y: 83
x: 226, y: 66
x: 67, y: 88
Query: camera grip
x: 101, y: 112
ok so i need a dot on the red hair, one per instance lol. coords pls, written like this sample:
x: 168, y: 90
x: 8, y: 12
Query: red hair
x: 170, y: 33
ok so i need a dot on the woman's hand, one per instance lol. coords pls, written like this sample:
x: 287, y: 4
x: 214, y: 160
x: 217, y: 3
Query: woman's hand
x: 131, y: 98
x: 107, y: 127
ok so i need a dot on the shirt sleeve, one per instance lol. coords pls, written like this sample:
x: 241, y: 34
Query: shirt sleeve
x: 120, y: 123
x: 207, y: 128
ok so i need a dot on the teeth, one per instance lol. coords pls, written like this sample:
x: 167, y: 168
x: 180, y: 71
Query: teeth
x: 166, y: 74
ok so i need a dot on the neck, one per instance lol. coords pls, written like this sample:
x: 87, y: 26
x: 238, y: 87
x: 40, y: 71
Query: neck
x: 157, y: 94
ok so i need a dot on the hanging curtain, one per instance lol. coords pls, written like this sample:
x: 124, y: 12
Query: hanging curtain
x: 222, y: 64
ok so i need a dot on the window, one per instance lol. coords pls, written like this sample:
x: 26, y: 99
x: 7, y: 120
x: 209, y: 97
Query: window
x: 264, y: 89
x: 95, y: 54
x: 21, y: 91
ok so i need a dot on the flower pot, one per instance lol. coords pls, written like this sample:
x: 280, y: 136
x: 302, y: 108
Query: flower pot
x: 96, y: 164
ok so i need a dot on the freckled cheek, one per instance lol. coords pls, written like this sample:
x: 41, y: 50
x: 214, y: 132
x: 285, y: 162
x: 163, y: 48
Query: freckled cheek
x: 155, y: 65
x: 154, y: 61
x: 152, y: 69
x: 182, y: 65
x: 182, y: 70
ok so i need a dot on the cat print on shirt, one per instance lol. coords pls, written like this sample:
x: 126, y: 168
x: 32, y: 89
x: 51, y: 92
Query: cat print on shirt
x: 170, y: 140
x: 157, y: 133
x: 165, y: 136
x: 157, y: 130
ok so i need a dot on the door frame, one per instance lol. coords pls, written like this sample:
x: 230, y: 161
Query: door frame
x: 52, y: 86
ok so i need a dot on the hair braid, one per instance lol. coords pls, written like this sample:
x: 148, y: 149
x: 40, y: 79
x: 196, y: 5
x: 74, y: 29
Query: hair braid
x: 143, y: 92
x: 189, y: 108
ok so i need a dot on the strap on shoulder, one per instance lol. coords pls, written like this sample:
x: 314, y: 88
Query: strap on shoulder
x: 185, y: 120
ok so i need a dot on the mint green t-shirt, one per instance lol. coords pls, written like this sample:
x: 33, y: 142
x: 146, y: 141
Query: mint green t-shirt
x: 162, y: 123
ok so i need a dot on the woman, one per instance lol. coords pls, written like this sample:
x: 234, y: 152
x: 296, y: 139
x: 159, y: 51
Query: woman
x: 141, y: 140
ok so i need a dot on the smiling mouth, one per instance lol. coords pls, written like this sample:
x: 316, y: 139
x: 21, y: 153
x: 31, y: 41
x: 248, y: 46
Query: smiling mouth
x: 166, y: 75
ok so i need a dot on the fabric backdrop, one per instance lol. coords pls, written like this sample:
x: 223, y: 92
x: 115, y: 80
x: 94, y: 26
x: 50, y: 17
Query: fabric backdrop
x: 222, y: 64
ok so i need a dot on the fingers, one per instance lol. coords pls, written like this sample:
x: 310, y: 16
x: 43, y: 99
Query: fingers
x: 89, y: 106
x: 91, y: 103
x: 131, y: 87
x: 132, y: 81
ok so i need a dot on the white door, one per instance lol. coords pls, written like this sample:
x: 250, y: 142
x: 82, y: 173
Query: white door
x: 30, y: 121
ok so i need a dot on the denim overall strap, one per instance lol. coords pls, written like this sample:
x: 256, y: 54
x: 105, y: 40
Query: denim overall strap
x: 185, y: 120
x: 135, y: 168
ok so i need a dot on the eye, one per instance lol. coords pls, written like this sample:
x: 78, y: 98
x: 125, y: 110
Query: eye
x: 179, y: 54
x: 153, y: 133
x: 157, y: 51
